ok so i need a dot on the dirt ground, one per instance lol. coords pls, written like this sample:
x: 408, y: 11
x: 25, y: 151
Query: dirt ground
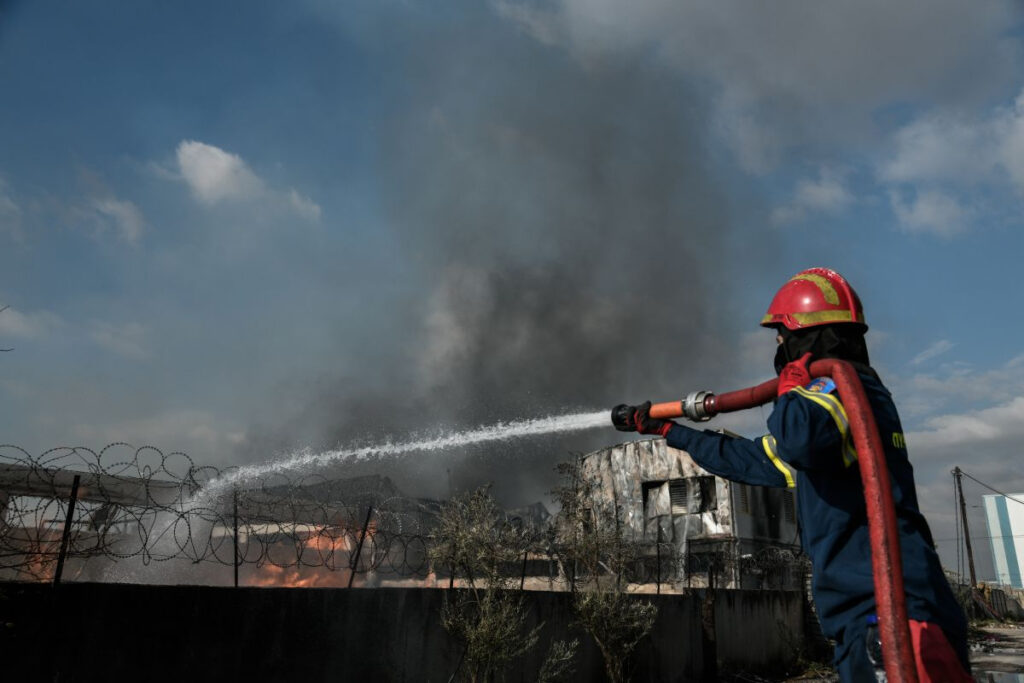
x: 997, y: 653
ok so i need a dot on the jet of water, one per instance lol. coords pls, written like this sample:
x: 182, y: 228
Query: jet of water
x: 307, y: 461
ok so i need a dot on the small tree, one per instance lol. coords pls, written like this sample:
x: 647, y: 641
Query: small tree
x: 597, y: 556
x: 474, y: 539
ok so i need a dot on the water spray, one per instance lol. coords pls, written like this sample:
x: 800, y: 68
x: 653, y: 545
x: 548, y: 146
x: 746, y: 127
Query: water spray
x: 308, y: 460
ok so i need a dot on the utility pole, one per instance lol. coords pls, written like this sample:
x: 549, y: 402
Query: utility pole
x: 967, y: 533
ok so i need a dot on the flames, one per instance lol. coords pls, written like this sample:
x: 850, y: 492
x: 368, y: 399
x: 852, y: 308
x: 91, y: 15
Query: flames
x: 322, y: 560
x: 272, y: 576
x: 37, y: 559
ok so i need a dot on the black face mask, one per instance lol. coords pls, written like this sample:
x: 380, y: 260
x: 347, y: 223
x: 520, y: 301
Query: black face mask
x: 843, y: 341
x: 781, y: 358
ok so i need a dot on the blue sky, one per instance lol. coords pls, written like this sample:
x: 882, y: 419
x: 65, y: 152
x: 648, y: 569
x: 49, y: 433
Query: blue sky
x: 238, y: 230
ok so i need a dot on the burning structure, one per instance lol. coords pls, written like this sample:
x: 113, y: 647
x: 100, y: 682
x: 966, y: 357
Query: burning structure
x: 143, y: 524
x: 70, y: 514
x: 712, y: 530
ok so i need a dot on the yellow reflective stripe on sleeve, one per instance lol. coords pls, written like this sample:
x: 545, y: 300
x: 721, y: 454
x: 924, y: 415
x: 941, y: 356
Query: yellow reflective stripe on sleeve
x: 768, y: 444
x: 838, y: 413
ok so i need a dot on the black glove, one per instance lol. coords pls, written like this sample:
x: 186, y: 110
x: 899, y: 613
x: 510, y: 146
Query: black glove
x: 638, y: 419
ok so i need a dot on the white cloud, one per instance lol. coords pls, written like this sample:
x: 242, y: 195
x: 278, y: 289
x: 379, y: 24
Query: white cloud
x: 304, y: 206
x: 941, y: 149
x: 940, y: 154
x: 124, y: 217
x: 931, y: 211
x: 937, y: 349
x: 544, y: 25
x: 214, y: 175
x: 827, y: 194
x: 128, y: 340
x: 35, y: 325
x: 954, y: 432
x: 945, y: 148
x: 952, y: 385
x: 1011, y: 129
x: 10, y: 214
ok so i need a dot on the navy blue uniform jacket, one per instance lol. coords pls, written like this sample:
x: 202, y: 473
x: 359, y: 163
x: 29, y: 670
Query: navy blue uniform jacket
x: 810, y: 448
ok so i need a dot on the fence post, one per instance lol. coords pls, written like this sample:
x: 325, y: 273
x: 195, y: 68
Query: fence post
x: 359, y: 548
x: 709, y: 636
x: 658, y: 578
x: 237, y: 558
x: 522, y: 581
x: 66, y: 537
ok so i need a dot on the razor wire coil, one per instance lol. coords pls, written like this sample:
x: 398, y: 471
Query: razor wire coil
x: 139, y: 510
x: 144, y: 507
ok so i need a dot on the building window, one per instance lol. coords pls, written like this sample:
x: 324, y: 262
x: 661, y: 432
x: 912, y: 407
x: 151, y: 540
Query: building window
x: 677, y: 493
x: 696, y: 494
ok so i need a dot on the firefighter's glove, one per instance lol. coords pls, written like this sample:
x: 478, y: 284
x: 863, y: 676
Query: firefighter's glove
x: 795, y: 374
x: 638, y: 419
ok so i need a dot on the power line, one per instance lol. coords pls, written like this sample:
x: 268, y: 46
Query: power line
x: 990, y: 488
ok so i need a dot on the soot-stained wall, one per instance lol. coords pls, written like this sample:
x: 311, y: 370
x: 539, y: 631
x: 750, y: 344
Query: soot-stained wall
x: 111, y: 632
x: 704, y: 514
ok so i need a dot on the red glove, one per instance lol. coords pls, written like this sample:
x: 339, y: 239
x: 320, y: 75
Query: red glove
x: 795, y: 374
x: 638, y: 419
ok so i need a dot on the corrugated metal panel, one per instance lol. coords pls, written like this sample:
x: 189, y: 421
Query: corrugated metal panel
x: 677, y: 491
x: 744, y: 504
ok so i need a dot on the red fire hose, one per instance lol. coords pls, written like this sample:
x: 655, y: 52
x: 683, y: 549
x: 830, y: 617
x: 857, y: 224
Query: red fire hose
x: 886, y: 562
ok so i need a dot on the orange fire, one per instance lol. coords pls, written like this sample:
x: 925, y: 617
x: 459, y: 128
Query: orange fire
x: 328, y: 551
x: 299, y: 577
x: 39, y: 548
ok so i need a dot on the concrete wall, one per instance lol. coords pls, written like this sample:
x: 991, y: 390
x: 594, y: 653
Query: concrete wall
x: 110, y: 632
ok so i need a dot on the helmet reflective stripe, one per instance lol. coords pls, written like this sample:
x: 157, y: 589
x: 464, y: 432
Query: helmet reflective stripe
x: 769, y: 446
x: 838, y: 413
x: 818, y: 318
x: 827, y: 290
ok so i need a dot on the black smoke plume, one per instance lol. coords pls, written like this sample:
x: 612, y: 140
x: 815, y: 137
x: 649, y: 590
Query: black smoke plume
x: 569, y: 243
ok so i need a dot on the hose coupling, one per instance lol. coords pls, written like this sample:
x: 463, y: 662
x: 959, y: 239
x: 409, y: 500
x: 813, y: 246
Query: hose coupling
x: 693, y: 406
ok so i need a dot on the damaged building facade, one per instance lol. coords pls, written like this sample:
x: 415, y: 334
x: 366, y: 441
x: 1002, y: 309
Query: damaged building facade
x: 703, y: 528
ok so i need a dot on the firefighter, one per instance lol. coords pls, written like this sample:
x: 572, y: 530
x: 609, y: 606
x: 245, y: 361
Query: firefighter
x: 817, y: 314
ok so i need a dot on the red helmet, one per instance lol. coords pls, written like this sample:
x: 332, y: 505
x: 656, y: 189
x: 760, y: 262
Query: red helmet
x: 816, y: 296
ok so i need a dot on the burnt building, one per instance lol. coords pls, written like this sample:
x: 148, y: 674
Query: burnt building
x: 702, y: 528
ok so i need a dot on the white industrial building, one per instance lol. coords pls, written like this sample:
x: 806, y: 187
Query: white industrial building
x: 663, y: 497
x: 1005, y: 518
